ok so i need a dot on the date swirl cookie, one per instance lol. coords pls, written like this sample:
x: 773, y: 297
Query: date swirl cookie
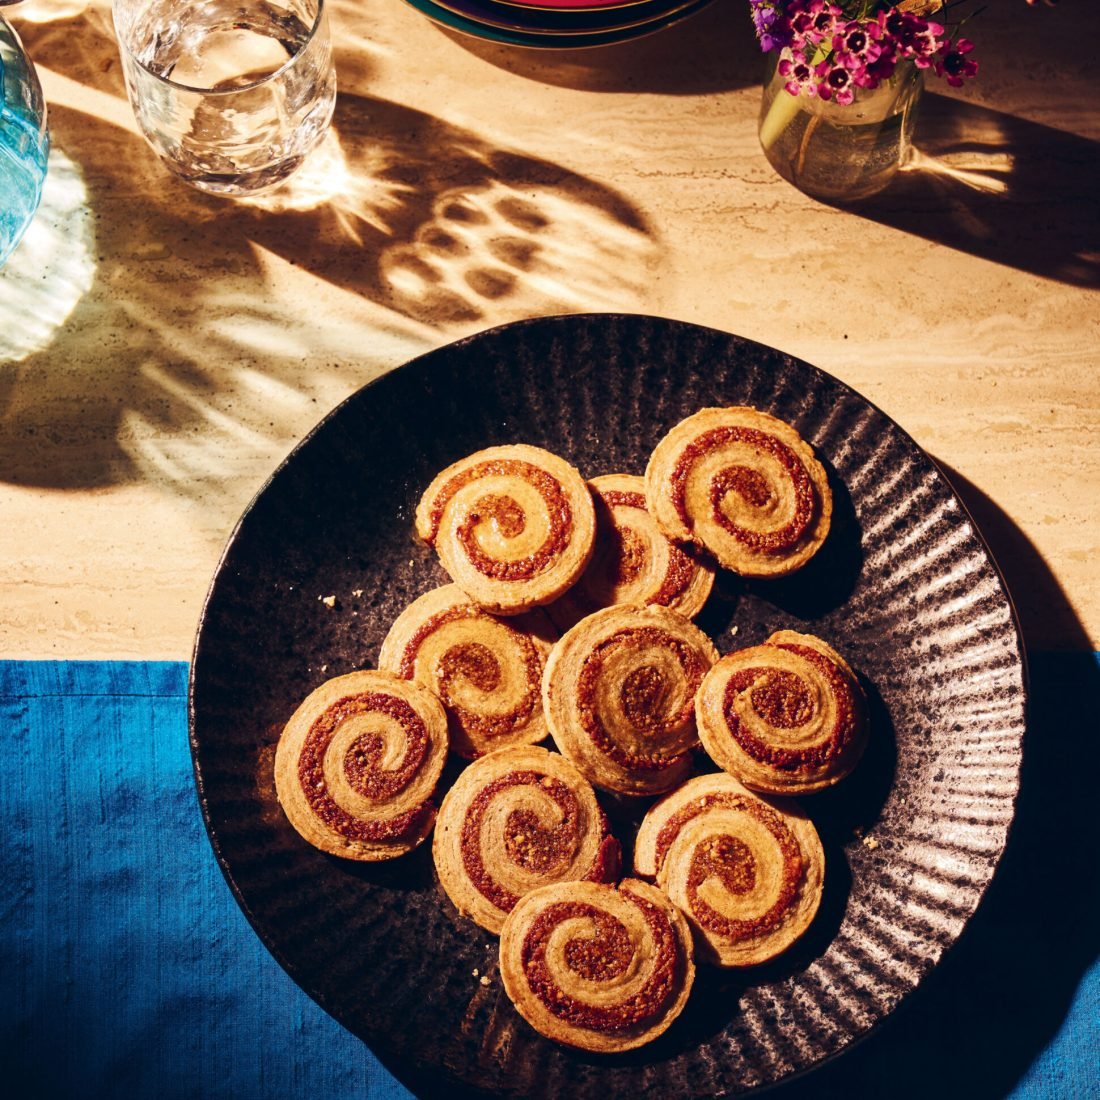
x: 742, y: 485
x: 602, y: 968
x: 487, y: 671
x: 619, y: 694
x: 747, y: 873
x: 786, y: 717
x: 633, y: 563
x: 514, y: 526
x: 514, y: 821
x: 358, y: 762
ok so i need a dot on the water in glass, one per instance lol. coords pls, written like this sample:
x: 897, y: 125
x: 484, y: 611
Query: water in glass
x: 232, y: 94
x: 840, y: 152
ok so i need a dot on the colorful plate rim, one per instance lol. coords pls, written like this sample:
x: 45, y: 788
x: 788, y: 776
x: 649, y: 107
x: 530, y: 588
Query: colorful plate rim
x: 571, y: 5
x: 551, y: 40
x: 492, y: 14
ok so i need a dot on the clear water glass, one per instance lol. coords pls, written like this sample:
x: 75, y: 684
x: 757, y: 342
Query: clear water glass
x: 24, y: 140
x: 233, y: 94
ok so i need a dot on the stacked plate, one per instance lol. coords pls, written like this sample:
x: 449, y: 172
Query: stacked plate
x: 557, y: 24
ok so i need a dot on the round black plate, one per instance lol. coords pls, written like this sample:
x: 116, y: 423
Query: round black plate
x: 904, y: 588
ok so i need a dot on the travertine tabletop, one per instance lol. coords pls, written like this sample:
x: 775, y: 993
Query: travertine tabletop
x: 161, y: 351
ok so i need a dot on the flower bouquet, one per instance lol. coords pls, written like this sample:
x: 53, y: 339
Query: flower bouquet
x: 845, y: 81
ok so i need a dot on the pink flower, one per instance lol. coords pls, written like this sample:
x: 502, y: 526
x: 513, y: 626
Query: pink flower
x: 817, y: 23
x: 835, y: 83
x: 799, y: 76
x: 914, y: 37
x: 882, y: 68
x: 856, y: 45
x: 834, y: 49
x: 953, y: 64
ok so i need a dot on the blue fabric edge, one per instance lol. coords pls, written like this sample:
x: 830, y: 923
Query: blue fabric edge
x: 30, y: 679
x: 144, y: 679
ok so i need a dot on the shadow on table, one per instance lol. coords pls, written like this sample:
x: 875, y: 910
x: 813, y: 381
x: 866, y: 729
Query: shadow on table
x: 1001, y: 993
x: 713, y: 50
x: 1001, y: 188
x: 434, y: 222
x: 186, y: 336
x: 1043, y: 608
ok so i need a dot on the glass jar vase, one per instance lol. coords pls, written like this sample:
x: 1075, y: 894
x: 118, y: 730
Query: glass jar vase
x: 24, y: 140
x: 840, y: 152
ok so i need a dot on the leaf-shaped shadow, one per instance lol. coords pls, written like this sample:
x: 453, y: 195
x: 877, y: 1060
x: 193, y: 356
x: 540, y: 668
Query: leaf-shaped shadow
x: 192, y: 338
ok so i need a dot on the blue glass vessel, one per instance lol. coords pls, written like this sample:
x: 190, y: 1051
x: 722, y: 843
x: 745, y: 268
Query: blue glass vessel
x: 24, y: 140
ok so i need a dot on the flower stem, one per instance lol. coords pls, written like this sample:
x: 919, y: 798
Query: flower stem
x: 782, y: 112
x: 804, y: 146
x: 785, y: 107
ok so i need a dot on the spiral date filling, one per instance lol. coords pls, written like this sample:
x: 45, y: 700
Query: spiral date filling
x: 603, y: 957
x: 750, y: 485
x: 361, y: 766
x: 627, y: 557
x: 473, y: 662
x: 780, y: 699
x: 508, y: 516
x: 504, y: 512
x: 480, y: 666
x: 727, y: 857
x: 644, y: 696
x: 733, y: 862
x: 528, y: 842
x: 633, y: 554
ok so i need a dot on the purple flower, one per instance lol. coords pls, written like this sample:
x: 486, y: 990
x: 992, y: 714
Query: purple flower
x: 882, y: 68
x: 914, y: 37
x: 953, y: 64
x: 835, y: 82
x: 817, y: 22
x: 798, y: 74
x: 831, y: 49
x: 856, y: 45
x: 773, y: 29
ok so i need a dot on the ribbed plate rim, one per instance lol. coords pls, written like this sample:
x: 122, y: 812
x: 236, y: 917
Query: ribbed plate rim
x: 397, y: 1066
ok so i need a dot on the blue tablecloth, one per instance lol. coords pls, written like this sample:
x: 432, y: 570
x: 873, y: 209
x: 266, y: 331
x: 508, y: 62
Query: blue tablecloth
x: 129, y: 971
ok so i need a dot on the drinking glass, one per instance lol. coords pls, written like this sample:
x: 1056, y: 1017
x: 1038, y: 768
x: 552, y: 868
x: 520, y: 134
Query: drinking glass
x: 24, y: 140
x: 233, y: 94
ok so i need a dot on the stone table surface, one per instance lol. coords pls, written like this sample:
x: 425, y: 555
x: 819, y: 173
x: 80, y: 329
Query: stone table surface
x: 161, y: 351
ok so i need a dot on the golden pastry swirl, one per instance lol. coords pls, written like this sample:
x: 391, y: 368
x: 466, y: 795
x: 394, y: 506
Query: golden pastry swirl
x: 514, y: 821
x: 743, y: 486
x: 602, y: 968
x: 787, y: 717
x: 513, y: 526
x: 357, y: 763
x: 619, y: 694
x: 487, y: 671
x: 633, y: 563
x: 747, y: 873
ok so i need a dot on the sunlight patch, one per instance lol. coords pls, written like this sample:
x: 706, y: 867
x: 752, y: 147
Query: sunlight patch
x: 53, y: 266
